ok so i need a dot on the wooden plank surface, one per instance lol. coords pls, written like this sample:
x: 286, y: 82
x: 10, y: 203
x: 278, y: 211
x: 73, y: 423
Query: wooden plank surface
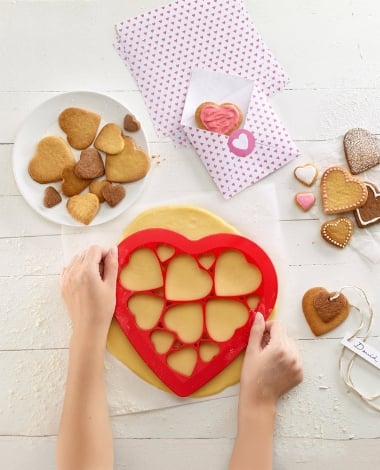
x: 330, y: 50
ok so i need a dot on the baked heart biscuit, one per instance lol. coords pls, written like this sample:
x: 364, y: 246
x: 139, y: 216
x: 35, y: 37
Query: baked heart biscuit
x: 110, y: 139
x: 369, y: 214
x: 113, y: 193
x: 337, y: 232
x: 324, y: 310
x: 306, y: 174
x: 90, y: 165
x: 71, y: 184
x: 341, y: 192
x: 305, y: 201
x: 362, y: 150
x: 80, y: 126
x: 131, y: 164
x: 83, y: 207
x: 51, y: 197
x: 221, y: 118
x: 96, y: 188
x: 131, y: 124
x: 51, y: 157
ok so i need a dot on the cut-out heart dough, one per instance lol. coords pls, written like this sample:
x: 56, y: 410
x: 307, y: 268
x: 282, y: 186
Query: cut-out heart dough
x: 110, y: 139
x: 234, y: 275
x: 341, y: 192
x: 223, y: 317
x: 131, y: 164
x: 324, y: 310
x: 185, y: 280
x: 186, y: 320
x: 147, y: 309
x: 51, y: 157
x: 83, y: 207
x: 306, y: 174
x: 362, y: 150
x: 337, y: 232
x: 194, y: 223
x: 162, y: 340
x: 208, y: 350
x: 165, y: 252
x: 80, y: 126
x: 223, y: 118
x: 183, y: 360
x: 369, y: 214
x: 143, y: 272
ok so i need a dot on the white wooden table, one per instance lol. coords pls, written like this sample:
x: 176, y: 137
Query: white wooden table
x: 331, y: 52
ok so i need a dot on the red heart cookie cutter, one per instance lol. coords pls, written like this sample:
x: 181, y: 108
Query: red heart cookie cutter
x: 213, y: 246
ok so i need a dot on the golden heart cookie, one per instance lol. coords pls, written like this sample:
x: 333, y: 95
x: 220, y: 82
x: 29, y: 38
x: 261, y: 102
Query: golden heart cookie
x: 369, y: 214
x: 337, y: 232
x: 324, y: 310
x: 362, y: 150
x: 71, y: 184
x: 80, y: 126
x: 110, y: 139
x: 83, y: 207
x: 51, y: 157
x: 341, y: 192
x: 131, y: 164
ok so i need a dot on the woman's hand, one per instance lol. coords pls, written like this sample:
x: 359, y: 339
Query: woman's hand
x: 88, y: 286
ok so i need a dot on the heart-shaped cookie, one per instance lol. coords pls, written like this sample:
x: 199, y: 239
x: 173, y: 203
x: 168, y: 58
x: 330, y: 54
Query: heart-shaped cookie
x: 80, y: 126
x: 369, y: 214
x: 96, y: 187
x: 90, y: 165
x: 83, y: 207
x: 362, y: 150
x: 337, y: 232
x: 131, y: 164
x: 221, y: 118
x: 324, y: 310
x: 51, y: 197
x: 51, y: 157
x: 202, y: 329
x: 131, y: 124
x: 113, y: 193
x: 110, y: 139
x: 341, y: 192
x: 71, y: 184
x: 305, y: 200
x: 306, y: 174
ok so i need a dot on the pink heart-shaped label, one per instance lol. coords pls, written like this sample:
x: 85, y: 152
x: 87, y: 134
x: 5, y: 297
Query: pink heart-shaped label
x: 241, y: 142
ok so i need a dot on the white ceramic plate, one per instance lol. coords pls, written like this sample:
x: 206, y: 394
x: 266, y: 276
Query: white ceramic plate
x: 43, y: 121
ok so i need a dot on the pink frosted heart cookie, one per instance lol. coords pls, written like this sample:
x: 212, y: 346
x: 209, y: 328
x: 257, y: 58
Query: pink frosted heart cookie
x: 221, y: 118
x: 306, y: 174
x: 305, y: 200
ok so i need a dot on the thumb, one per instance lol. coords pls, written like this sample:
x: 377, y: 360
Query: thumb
x: 111, y: 266
x: 256, y: 334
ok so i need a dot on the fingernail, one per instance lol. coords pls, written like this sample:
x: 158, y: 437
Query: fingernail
x: 113, y: 251
x: 259, y: 317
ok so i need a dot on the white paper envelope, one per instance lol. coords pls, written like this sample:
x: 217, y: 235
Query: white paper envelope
x: 258, y: 147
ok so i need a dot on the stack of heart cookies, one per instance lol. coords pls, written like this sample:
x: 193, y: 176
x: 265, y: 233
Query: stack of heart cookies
x: 108, y: 158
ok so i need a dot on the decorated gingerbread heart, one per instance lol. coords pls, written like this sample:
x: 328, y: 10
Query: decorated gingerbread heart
x: 187, y: 305
x: 324, y: 310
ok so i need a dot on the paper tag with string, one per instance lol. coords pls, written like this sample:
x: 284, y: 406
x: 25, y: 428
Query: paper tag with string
x: 362, y: 349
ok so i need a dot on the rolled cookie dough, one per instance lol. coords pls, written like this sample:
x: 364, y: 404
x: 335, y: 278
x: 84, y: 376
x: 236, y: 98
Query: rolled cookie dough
x: 193, y: 223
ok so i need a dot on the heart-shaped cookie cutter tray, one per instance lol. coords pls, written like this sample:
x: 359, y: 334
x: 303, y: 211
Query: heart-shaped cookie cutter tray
x: 214, y: 245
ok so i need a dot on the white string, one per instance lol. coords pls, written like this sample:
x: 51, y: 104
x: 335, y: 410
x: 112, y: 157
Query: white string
x: 345, y: 373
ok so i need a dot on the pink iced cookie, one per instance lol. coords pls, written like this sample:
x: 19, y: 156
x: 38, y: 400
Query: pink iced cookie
x: 305, y: 200
x: 223, y: 118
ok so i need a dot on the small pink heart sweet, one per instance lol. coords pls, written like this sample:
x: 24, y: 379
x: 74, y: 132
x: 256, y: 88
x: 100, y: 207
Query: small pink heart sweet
x: 305, y: 200
x: 223, y: 118
x: 241, y: 142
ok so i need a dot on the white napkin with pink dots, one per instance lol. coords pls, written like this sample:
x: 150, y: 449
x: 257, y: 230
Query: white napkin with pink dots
x: 162, y: 46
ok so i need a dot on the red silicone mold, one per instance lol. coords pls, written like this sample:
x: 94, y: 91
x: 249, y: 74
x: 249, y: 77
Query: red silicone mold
x: 215, y: 245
